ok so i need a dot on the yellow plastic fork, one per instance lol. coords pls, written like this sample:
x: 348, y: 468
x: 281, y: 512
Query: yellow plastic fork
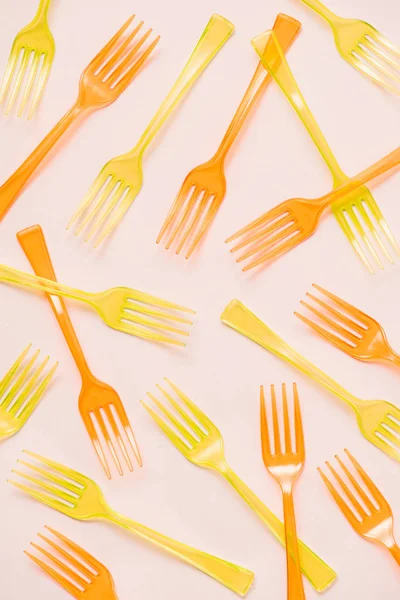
x: 368, y: 513
x: 20, y: 391
x: 204, y: 188
x: 29, y: 63
x: 201, y: 442
x: 123, y: 309
x: 101, y: 83
x: 352, y: 210
x: 77, y: 571
x: 378, y: 420
x: 120, y: 180
x: 348, y: 328
x: 363, y: 47
x: 79, y: 497
x: 284, y: 457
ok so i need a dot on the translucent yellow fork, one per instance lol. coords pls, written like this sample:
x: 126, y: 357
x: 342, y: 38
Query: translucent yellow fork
x: 77, y: 571
x: 29, y: 63
x: 79, y: 497
x: 120, y: 180
x: 364, y: 47
x: 20, y: 391
x: 352, y: 210
x: 378, y: 420
x: 201, y: 442
x: 370, y: 515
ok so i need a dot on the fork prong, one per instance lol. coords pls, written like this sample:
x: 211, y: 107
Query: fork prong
x: 30, y: 383
x: 63, y: 581
x: 366, y: 479
x: 20, y: 381
x: 111, y: 185
x: 185, y: 416
x: 83, y: 554
x: 175, y: 208
x: 351, y: 310
x: 363, y: 234
x: 387, y: 430
x: 275, y: 422
x: 71, y: 573
x: 8, y: 75
x: 349, y: 335
x: 48, y: 487
x: 134, y: 69
x: 385, y: 42
x: 150, y: 299
x: 123, y: 417
x: 298, y: 422
x: 111, y: 45
x: 18, y: 80
x: 195, y: 220
x: 40, y: 84
x: 97, y: 219
x: 74, y: 476
x: 349, y: 494
x: 78, y: 564
x: 384, y: 443
x: 90, y: 195
x: 117, y: 433
x: 185, y: 433
x: 120, y: 50
x: 29, y: 83
x: 147, y: 334
x: 260, y: 233
x: 274, y: 241
x: 377, y: 213
x: 380, y: 58
x: 118, y: 216
x: 374, y: 232
x: 348, y: 513
x: 261, y: 221
x: 371, y: 72
x: 265, y: 437
x: 340, y: 316
x: 132, y: 306
x: 175, y: 439
x: 276, y: 252
x: 90, y: 428
x: 60, y: 481
x: 125, y: 63
x: 365, y: 498
x: 340, y: 216
x: 212, y: 211
x: 98, y: 417
x: 202, y: 418
x: 10, y: 374
x: 184, y: 217
x: 35, y: 398
x: 152, y: 324
x: 286, y: 423
x: 331, y: 337
x: 41, y: 496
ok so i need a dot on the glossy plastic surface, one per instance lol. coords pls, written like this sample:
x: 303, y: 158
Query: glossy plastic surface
x: 120, y: 180
x: 290, y: 223
x: 99, y: 86
x: 89, y: 504
x: 100, y: 406
x: 356, y: 207
x: 374, y: 520
x: 204, y: 188
x: 284, y: 457
x: 348, y: 328
x: 123, y: 309
x: 378, y: 420
x: 205, y: 448
x: 364, y: 47
x: 21, y: 389
x: 67, y: 563
x: 29, y: 64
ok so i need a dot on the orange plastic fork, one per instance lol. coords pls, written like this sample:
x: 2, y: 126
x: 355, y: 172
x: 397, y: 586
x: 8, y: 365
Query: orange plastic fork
x: 101, y: 83
x: 97, y: 399
x: 348, y: 328
x: 204, y: 188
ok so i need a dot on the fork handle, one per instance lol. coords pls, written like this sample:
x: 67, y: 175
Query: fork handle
x: 295, y: 589
x: 325, y: 12
x: 314, y: 568
x: 216, y: 33
x: 34, y: 245
x: 395, y: 552
x: 269, y: 49
x: 11, y: 189
x: 43, y: 9
x: 232, y: 576
x: 240, y: 318
x: 286, y: 29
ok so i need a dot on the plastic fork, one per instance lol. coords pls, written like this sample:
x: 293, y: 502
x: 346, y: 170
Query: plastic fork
x: 363, y: 47
x: 101, y: 83
x: 29, y: 64
x: 204, y: 188
x: 348, y: 328
x: 21, y: 389
x: 284, y: 456
x: 79, y: 497
x: 378, y: 420
x: 99, y: 404
x: 352, y: 212
x: 201, y: 442
x: 373, y: 519
x: 77, y: 571
x: 120, y: 180
x: 293, y: 221
x: 122, y: 308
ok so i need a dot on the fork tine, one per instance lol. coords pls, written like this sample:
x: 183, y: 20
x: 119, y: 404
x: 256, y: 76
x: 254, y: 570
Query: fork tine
x: 83, y: 554
x: 195, y: 220
x: 90, y: 197
x: 119, y: 51
x: 133, y: 70
x: 147, y: 334
x: 40, y: 85
x: 366, y: 479
x: 60, y: 481
x: 18, y: 80
x: 269, y: 227
x: 80, y: 566
x: 354, y: 242
x: 374, y: 232
x: 75, y: 477
x: 260, y: 221
x: 150, y: 299
x: 132, y: 318
x: 344, y: 318
x: 204, y: 227
x: 265, y: 437
x: 116, y: 74
x: 365, y: 498
x: 30, y: 382
x: 111, y: 45
x: 186, y: 434
x: 384, y: 443
x: 349, y: 335
x: 381, y: 60
x: 349, y: 308
x: 175, y: 208
x: 361, y: 231
x: 202, y: 418
x: 277, y: 235
x: 298, y: 422
x: 63, y: 581
x: 331, y: 337
x: 20, y: 381
x: 10, y: 374
x: 348, y: 513
x: 8, y: 75
x: 72, y: 574
x: 49, y: 488
x: 185, y: 416
x: 350, y: 496
x: 28, y: 87
x: 41, y: 496
x: 119, y: 214
x: 368, y: 70
x: 182, y: 221
x: 387, y: 43
x: 117, y: 433
x: 123, y: 417
x: 132, y: 306
x: 35, y: 398
x: 113, y: 200
x: 98, y: 417
x: 276, y: 252
x: 286, y: 424
x: 96, y: 443
x: 275, y: 422
x: 175, y: 439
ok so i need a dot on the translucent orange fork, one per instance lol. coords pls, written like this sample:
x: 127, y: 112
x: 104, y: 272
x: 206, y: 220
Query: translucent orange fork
x: 77, y: 571
x: 204, y: 188
x: 101, y: 83
x: 100, y: 406
x: 348, y: 328
x: 369, y: 513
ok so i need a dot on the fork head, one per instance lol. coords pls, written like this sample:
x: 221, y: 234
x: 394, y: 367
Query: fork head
x: 283, y: 455
x: 366, y: 49
x: 188, y: 428
x: 107, y: 424
x: 345, y: 326
x: 372, y: 517
x: 144, y: 315
x: 60, y: 487
x: 379, y: 421
x: 195, y: 207
x: 80, y: 574
x: 115, y: 66
x: 277, y: 231
x: 21, y: 389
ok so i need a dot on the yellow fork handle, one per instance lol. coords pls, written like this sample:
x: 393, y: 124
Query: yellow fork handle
x: 314, y: 568
x: 42, y: 11
x: 322, y: 10
x: 232, y: 576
